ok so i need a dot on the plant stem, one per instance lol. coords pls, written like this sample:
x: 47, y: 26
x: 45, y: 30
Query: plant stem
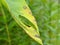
x: 6, y: 26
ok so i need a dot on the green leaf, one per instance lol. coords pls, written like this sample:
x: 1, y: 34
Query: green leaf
x: 23, y: 16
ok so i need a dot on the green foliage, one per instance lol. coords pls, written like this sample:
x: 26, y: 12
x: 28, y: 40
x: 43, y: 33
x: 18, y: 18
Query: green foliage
x: 47, y: 14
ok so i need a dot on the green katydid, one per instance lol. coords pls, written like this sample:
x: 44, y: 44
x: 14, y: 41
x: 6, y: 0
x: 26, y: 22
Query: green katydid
x: 23, y: 16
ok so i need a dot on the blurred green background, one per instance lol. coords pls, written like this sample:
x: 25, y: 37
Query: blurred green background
x: 47, y: 14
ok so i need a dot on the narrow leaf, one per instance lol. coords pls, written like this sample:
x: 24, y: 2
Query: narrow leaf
x: 23, y: 16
